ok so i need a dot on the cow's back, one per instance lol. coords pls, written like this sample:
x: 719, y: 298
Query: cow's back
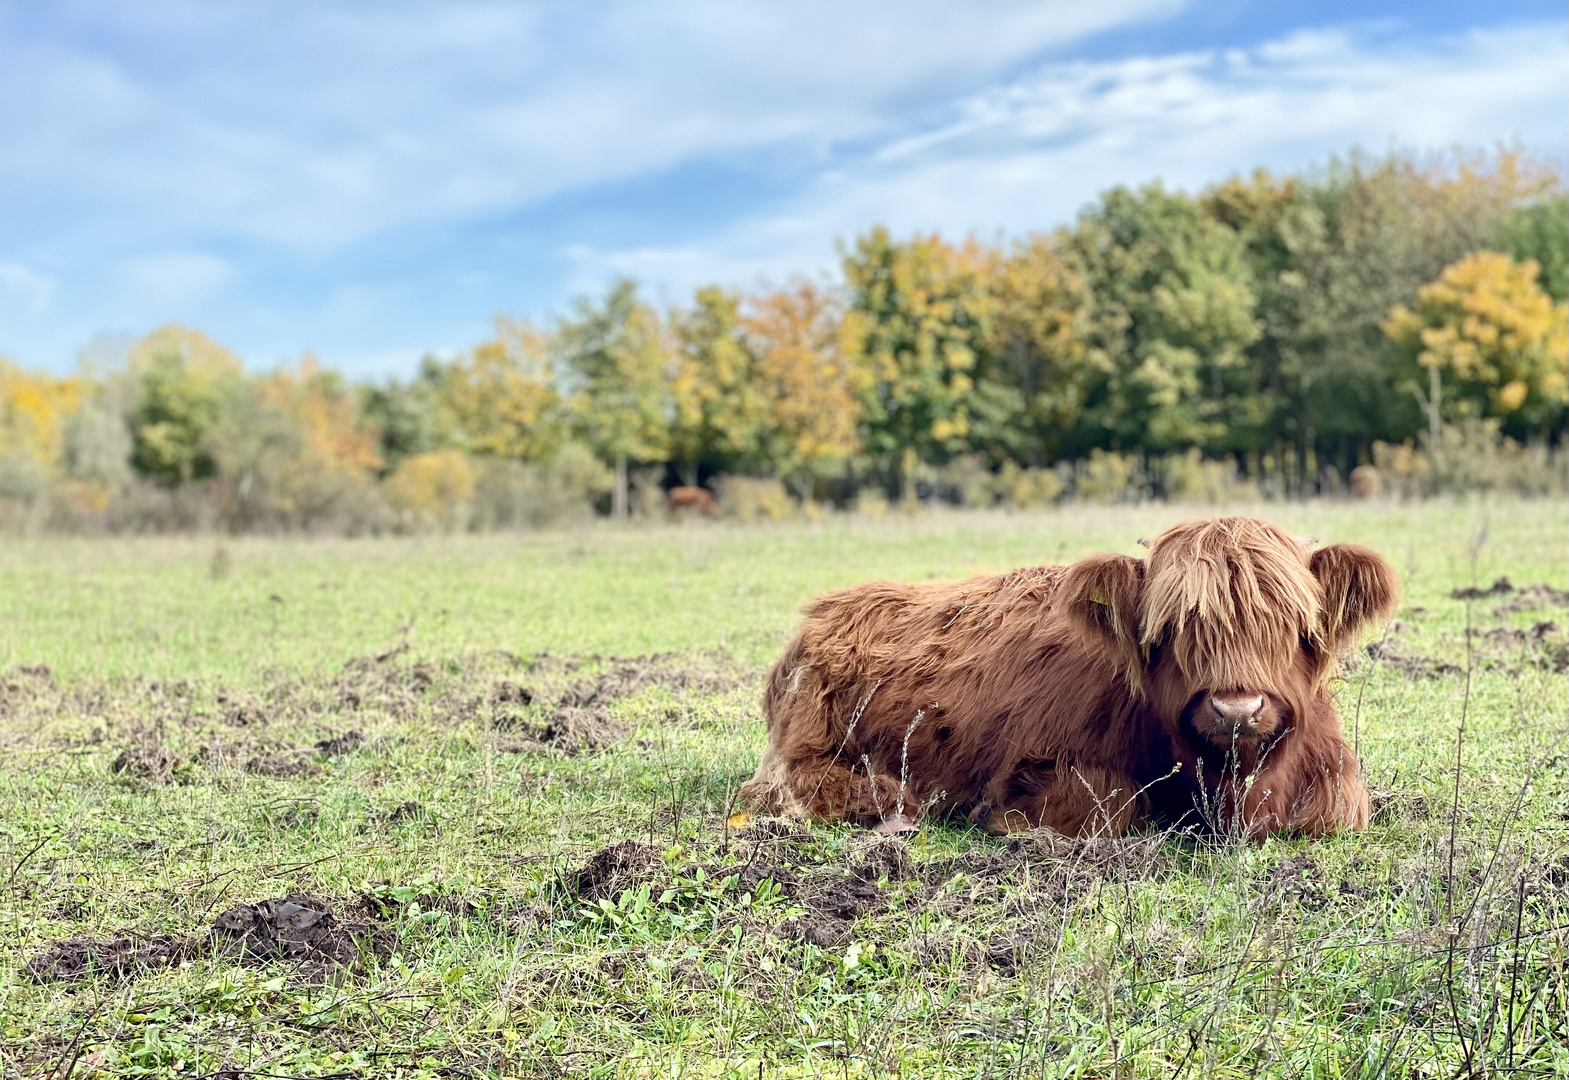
x: 950, y: 683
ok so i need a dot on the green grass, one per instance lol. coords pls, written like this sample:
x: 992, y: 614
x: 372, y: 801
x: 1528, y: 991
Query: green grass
x: 454, y: 831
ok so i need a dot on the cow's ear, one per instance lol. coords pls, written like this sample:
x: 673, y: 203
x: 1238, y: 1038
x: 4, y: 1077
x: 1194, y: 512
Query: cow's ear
x: 1360, y: 592
x: 1101, y: 595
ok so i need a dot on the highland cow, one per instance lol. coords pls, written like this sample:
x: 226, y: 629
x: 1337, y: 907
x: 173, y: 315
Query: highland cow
x: 1190, y: 686
x: 691, y: 498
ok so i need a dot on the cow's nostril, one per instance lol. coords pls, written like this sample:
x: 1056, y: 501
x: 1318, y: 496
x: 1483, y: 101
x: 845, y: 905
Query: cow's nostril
x: 1237, y: 709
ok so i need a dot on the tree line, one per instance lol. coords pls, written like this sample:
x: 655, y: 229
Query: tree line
x: 1283, y: 326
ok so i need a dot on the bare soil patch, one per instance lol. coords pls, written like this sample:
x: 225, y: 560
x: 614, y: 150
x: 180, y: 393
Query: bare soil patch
x: 78, y: 959
x: 152, y: 764
x: 300, y: 928
x: 303, y: 929
x: 615, y: 869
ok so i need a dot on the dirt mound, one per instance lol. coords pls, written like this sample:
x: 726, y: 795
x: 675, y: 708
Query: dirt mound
x: 377, y: 682
x: 845, y: 898
x: 1533, y: 597
x: 78, y: 959
x: 1524, y: 598
x: 1391, y: 805
x: 154, y: 764
x: 301, y: 928
x: 615, y: 869
x: 1412, y: 665
x: 825, y: 933
x: 1544, y: 645
x: 882, y: 857
x: 616, y: 677
x: 575, y: 719
x: 1500, y: 587
x: 571, y: 731
x: 624, y: 676
x: 1299, y: 878
x: 755, y: 873
x: 239, y: 709
x: 346, y: 743
x: 258, y: 759
x: 581, y: 731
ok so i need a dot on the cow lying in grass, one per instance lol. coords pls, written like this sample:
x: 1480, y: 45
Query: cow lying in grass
x: 1191, y: 685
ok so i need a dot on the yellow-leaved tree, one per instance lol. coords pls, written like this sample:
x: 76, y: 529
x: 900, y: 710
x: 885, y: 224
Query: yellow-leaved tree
x: 183, y: 380
x: 33, y: 410
x: 720, y: 408
x: 1490, y: 341
x: 918, y: 311
x: 502, y: 396
x: 810, y: 390
x: 320, y: 451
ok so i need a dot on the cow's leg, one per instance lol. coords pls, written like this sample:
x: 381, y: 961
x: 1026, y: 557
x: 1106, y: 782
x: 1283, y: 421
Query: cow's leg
x: 1076, y: 800
x: 822, y: 788
x: 1320, y: 795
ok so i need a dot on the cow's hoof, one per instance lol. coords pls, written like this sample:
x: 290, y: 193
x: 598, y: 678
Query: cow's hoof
x: 892, y: 826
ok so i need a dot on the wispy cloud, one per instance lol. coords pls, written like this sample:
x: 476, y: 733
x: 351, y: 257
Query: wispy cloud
x: 175, y: 280
x: 374, y: 181
x: 24, y: 292
x: 317, y: 126
x: 1028, y: 153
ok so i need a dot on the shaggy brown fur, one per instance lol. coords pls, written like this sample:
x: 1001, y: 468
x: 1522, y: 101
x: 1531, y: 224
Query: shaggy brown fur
x: 1087, y: 697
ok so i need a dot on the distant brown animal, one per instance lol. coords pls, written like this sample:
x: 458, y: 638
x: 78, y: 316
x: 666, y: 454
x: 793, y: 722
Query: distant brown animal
x: 692, y: 498
x: 1193, y: 685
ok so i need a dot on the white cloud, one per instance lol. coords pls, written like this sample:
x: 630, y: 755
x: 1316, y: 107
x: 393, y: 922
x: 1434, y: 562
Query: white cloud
x: 164, y: 284
x: 379, y: 174
x: 1029, y: 153
x: 24, y: 292
x: 314, y: 127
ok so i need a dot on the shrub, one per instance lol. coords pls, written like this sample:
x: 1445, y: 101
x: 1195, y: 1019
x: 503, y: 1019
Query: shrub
x: 966, y: 481
x: 531, y: 495
x: 1472, y: 456
x: 1027, y: 489
x: 871, y: 501
x: 432, y: 489
x: 646, y: 491
x: 754, y: 498
x: 1190, y: 477
x: 1109, y: 477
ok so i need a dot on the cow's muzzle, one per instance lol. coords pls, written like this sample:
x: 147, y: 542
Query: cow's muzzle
x: 1235, y: 715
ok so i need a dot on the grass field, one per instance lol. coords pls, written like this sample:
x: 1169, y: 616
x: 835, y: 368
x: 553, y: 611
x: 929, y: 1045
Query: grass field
x: 460, y: 806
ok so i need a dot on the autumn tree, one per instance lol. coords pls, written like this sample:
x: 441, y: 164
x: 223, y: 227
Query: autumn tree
x: 616, y: 364
x: 34, y: 408
x: 328, y: 453
x: 1036, y: 354
x: 809, y: 390
x: 1352, y: 240
x: 35, y: 412
x: 918, y: 309
x: 502, y: 396
x: 719, y: 405
x: 1487, y: 330
x: 182, y: 379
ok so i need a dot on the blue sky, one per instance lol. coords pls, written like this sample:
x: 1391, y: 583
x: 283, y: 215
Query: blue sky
x: 374, y: 181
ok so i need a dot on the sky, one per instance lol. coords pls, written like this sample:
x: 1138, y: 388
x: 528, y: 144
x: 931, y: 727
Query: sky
x: 372, y: 182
